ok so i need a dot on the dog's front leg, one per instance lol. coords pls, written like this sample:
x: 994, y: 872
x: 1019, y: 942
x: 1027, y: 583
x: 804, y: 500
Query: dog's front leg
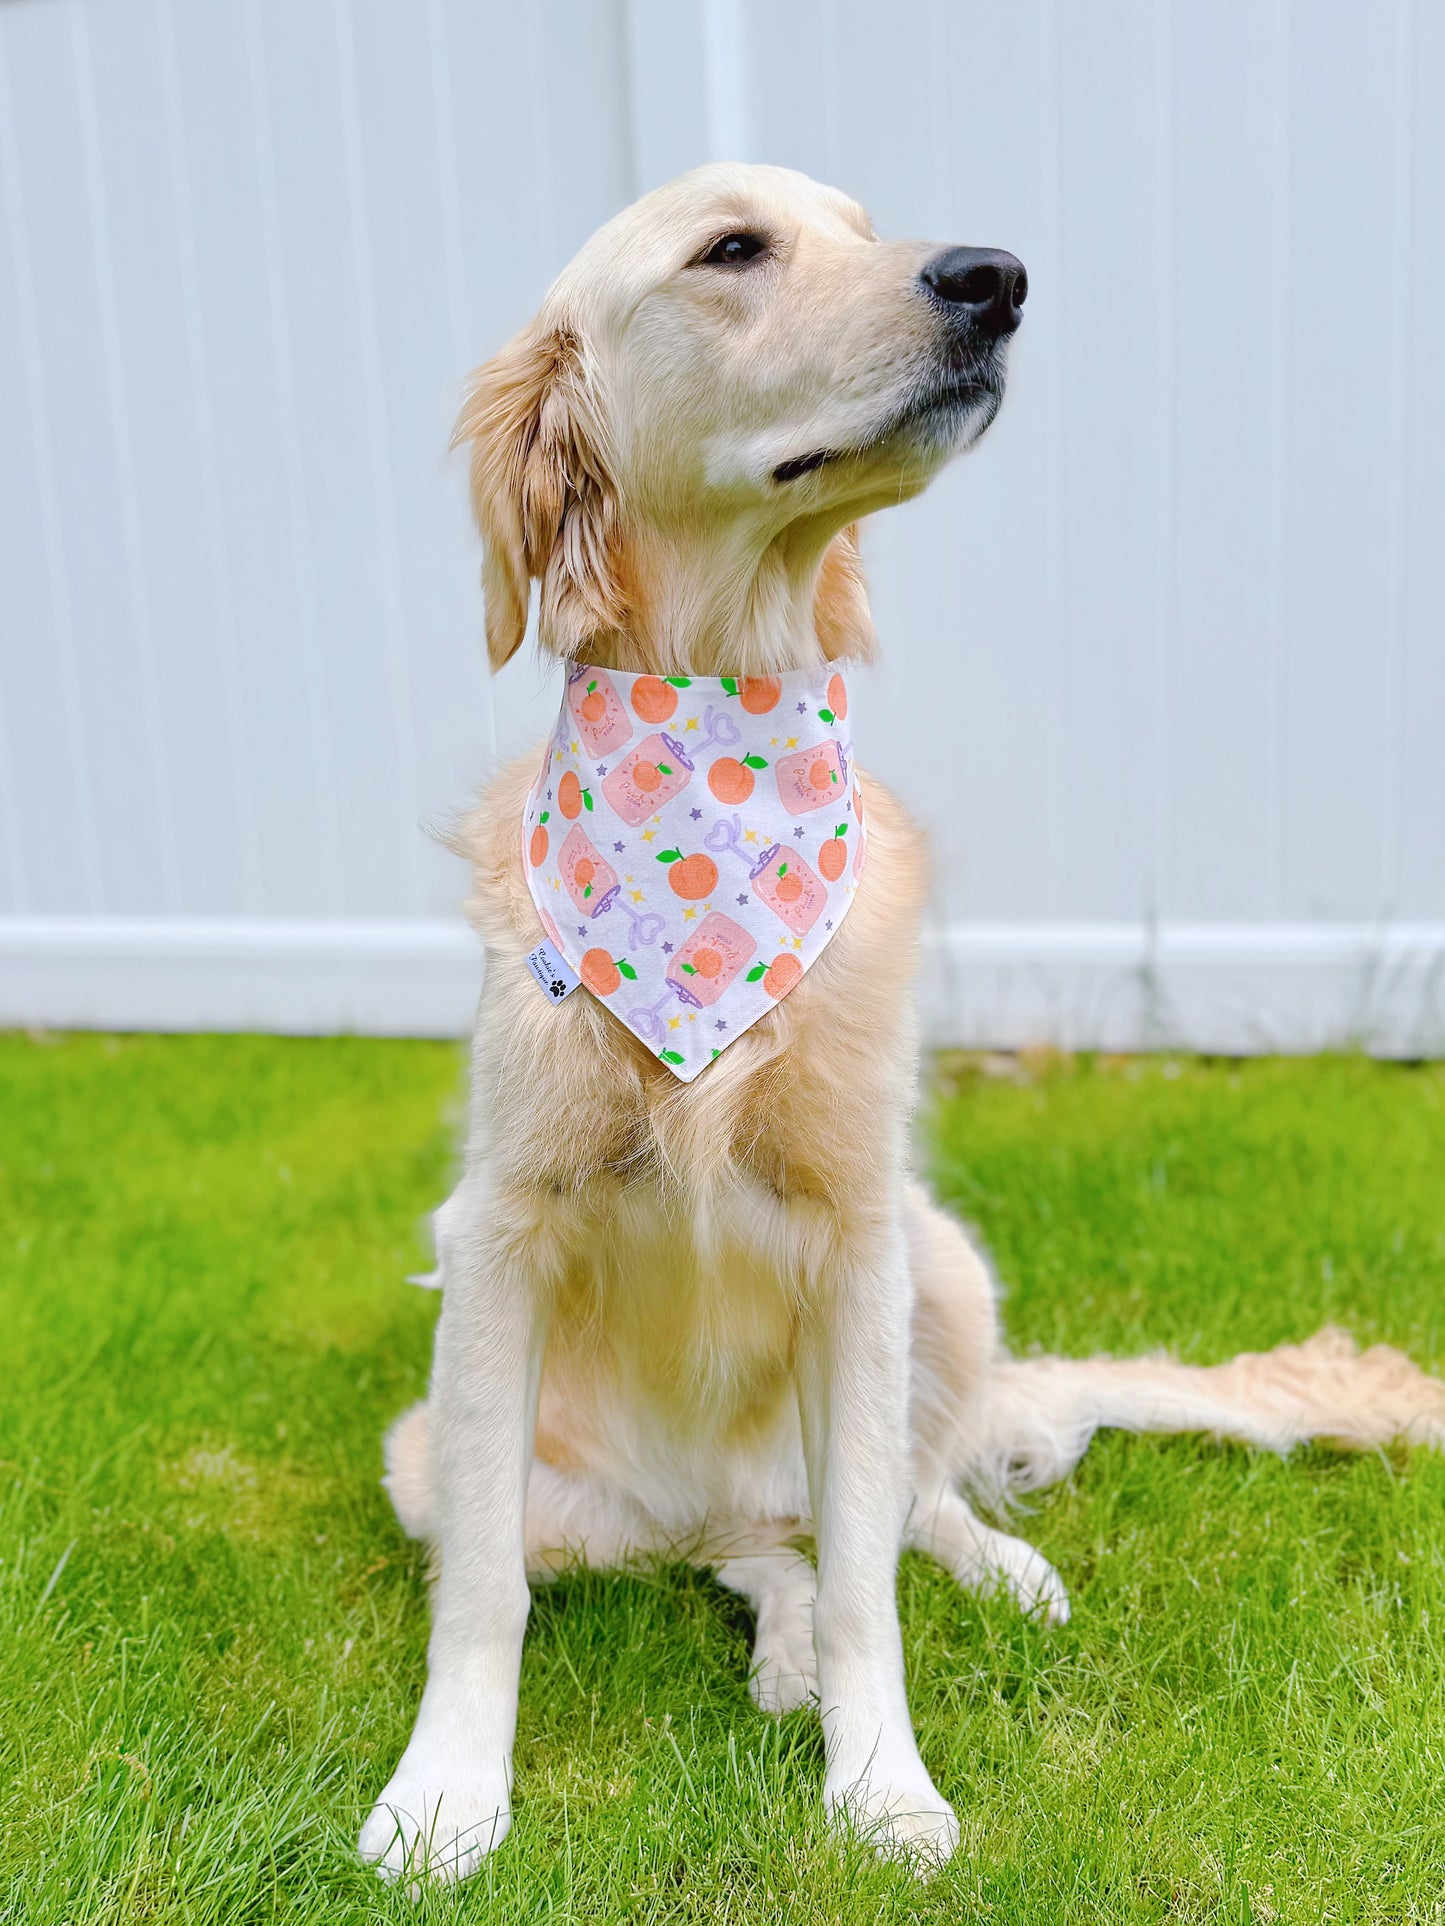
x: 853, y: 1399
x: 449, y: 1801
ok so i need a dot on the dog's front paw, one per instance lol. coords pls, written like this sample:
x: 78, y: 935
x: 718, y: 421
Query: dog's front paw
x: 907, y: 1819
x: 435, y: 1822
x: 784, y: 1676
x: 1029, y: 1579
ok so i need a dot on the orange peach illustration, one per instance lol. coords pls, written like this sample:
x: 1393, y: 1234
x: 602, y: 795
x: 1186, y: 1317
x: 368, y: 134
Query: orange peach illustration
x: 600, y: 973
x: 570, y: 796
x: 837, y: 697
x: 691, y: 877
x: 732, y: 781
x: 833, y: 856
x: 759, y: 693
x: 593, y: 706
x: 653, y: 700
x: 540, y: 840
x: 782, y: 974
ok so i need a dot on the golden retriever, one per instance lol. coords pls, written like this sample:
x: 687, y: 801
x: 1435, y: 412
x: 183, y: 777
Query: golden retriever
x: 718, y: 1320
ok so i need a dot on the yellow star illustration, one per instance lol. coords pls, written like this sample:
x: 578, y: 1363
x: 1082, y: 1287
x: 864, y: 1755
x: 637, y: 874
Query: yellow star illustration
x: 692, y: 1016
x: 750, y: 835
x: 688, y: 914
x: 691, y: 723
x: 636, y: 895
x: 674, y: 1023
x: 648, y: 834
x: 791, y: 743
x: 573, y: 747
x: 797, y: 942
x: 773, y: 740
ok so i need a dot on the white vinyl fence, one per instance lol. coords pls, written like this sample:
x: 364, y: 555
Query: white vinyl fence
x: 1188, y: 599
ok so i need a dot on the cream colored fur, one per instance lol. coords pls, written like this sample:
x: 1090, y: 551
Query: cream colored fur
x: 719, y: 1321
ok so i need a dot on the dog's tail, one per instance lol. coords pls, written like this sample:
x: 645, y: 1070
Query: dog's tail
x: 1040, y: 1413
x: 407, y: 1452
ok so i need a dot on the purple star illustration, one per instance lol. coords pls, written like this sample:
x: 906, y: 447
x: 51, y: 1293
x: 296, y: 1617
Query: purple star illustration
x: 602, y: 768
x: 549, y: 795
x: 617, y: 848
x: 802, y: 708
x: 667, y: 949
x: 798, y: 831
x: 829, y: 924
x: 743, y: 901
x: 581, y: 929
x: 697, y: 815
x: 720, y: 1024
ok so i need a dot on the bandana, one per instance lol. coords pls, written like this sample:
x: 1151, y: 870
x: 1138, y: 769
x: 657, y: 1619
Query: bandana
x: 692, y: 845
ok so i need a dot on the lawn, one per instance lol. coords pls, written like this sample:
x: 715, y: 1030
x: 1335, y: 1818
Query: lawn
x: 212, y: 1632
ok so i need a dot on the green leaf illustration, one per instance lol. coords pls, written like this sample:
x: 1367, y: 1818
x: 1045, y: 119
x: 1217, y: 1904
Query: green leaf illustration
x: 670, y: 1056
x: 586, y: 798
x: 690, y: 970
x: 754, y: 762
x: 730, y: 685
x: 841, y: 830
x: 544, y: 815
x: 587, y: 891
x: 624, y: 968
x: 782, y: 869
x: 716, y: 1053
x: 663, y: 769
x: 590, y: 687
x: 669, y: 856
x: 757, y: 973
x: 832, y: 775
x: 678, y: 681
x: 826, y: 715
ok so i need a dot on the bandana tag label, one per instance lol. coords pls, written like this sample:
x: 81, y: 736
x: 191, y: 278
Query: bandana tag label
x: 555, y: 975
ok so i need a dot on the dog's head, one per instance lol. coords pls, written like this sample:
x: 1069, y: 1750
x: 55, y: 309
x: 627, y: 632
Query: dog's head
x: 725, y: 378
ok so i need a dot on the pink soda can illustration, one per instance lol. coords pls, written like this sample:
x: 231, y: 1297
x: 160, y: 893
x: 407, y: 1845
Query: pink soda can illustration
x: 588, y: 878
x: 599, y: 712
x: 710, y: 959
x: 789, y: 887
x: 648, y: 776
x: 812, y: 779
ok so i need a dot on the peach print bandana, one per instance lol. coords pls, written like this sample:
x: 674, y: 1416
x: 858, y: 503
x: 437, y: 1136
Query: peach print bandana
x: 692, y: 845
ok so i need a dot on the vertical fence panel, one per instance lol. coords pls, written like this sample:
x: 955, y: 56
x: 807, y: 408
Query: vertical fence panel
x: 1342, y: 455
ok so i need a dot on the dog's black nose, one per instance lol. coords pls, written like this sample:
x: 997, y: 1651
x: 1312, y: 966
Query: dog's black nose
x: 982, y: 283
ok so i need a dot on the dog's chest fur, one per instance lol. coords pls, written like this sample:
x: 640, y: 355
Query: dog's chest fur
x: 689, y: 1228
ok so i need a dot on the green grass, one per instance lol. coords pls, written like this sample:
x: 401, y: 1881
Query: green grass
x: 212, y: 1633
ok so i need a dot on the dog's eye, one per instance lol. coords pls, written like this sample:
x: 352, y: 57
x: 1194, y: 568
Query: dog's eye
x: 733, y: 250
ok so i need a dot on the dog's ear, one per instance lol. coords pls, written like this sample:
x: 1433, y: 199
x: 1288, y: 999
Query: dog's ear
x: 543, y: 493
x: 841, y: 612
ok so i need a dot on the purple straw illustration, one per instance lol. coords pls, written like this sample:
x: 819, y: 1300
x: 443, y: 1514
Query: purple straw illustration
x: 726, y: 836
x: 719, y: 728
x: 648, y: 1022
x: 642, y: 931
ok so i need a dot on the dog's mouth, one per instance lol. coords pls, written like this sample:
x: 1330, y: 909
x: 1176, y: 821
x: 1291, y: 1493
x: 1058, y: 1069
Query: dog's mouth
x: 929, y: 422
